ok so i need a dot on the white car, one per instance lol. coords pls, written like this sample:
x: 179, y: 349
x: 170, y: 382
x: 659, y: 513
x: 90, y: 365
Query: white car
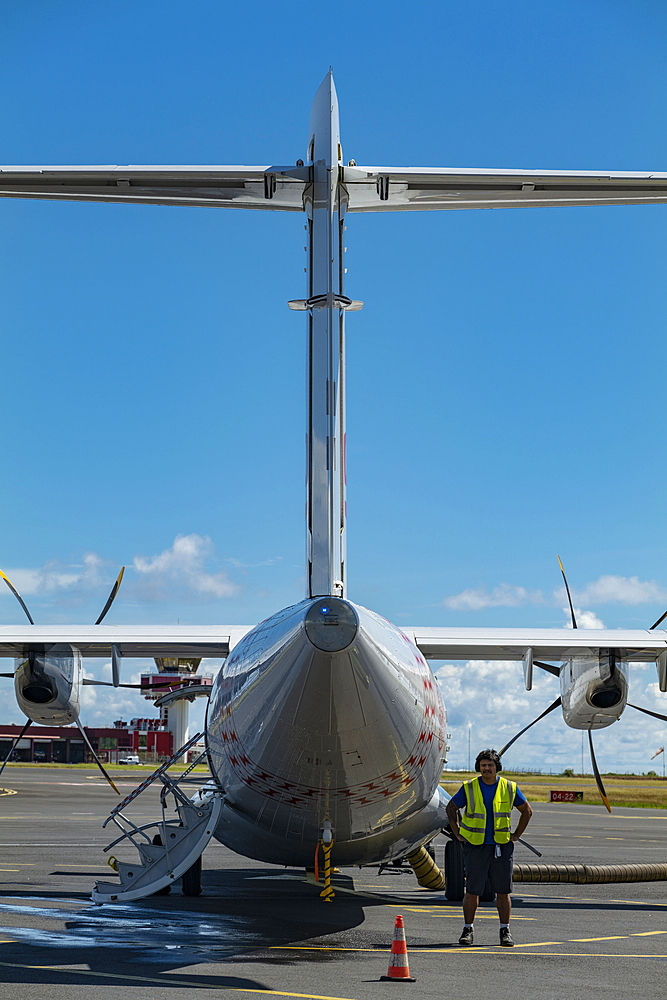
x: 131, y: 759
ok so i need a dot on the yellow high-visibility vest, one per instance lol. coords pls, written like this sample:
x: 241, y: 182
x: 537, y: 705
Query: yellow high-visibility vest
x: 473, y: 821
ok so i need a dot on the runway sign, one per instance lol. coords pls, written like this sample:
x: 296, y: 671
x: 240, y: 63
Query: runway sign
x: 566, y: 796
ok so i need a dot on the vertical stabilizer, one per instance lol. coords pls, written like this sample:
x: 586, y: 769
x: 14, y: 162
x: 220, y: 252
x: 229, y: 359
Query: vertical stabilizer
x: 326, y: 349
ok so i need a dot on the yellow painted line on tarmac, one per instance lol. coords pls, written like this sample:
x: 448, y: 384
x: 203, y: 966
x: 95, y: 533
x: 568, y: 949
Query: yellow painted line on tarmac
x: 555, y: 954
x: 9, y: 869
x: 611, y: 937
x: 483, y: 950
x: 457, y: 915
x: 170, y: 982
x: 591, y: 899
x: 538, y: 944
x: 324, y: 947
x: 385, y: 951
x: 455, y: 950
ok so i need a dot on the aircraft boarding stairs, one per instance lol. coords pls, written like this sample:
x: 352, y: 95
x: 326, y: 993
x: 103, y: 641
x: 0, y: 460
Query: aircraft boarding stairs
x: 168, y: 848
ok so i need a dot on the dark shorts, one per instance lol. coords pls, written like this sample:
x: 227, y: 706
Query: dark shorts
x: 480, y: 862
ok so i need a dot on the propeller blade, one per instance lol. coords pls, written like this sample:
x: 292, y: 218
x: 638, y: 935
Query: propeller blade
x: 6, y: 675
x: 598, y: 779
x: 551, y: 707
x: 15, y: 743
x: 660, y: 619
x: 547, y: 666
x: 574, y: 620
x: 16, y: 595
x: 656, y: 715
x: 112, y: 596
x: 97, y: 759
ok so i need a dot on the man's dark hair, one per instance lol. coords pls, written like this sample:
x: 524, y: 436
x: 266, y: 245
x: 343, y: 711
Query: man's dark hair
x: 489, y: 755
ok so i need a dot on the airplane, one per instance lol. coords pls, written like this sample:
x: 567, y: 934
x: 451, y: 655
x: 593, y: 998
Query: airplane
x: 325, y: 723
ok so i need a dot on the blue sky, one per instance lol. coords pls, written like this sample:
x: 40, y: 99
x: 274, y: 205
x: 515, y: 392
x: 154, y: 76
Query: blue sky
x: 504, y: 380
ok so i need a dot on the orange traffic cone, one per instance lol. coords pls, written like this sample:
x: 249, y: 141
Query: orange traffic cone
x: 399, y: 970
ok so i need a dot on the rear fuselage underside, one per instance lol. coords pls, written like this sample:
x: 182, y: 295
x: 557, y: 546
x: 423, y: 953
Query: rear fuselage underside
x: 326, y: 711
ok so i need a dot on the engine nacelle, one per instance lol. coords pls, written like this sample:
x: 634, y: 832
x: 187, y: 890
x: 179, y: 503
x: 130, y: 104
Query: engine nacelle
x: 47, y: 682
x: 594, y: 689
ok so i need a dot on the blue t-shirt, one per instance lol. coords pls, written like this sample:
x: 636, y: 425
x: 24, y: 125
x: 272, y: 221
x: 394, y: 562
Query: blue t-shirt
x: 488, y: 792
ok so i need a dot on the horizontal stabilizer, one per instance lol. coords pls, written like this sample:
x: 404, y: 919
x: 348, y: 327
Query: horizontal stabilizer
x: 419, y: 189
x: 264, y: 188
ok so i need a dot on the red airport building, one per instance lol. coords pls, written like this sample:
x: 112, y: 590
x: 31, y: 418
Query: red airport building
x: 152, y: 739
x: 149, y: 738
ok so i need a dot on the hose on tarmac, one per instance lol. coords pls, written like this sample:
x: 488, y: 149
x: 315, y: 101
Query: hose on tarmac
x: 588, y: 874
x: 427, y: 872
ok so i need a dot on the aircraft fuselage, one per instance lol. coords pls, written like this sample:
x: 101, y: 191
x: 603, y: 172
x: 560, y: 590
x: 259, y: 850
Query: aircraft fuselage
x: 326, y: 711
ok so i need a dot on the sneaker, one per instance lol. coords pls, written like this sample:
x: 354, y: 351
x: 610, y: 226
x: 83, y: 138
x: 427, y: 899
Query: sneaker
x: 466, y: 937
x: 506, y: 938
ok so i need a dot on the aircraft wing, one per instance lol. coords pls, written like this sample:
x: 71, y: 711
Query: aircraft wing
x: 632, y: 645
x: 132, y: 640
x: 418, y: 189
x: 273, y: 188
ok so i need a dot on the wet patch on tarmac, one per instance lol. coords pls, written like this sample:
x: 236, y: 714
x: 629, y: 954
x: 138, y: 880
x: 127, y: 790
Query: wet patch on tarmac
x: 233, y: 918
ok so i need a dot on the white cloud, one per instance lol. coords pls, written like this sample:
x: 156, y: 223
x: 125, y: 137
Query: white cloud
x: 658, y: 697
x: 621, y: 590
x: 181, y: 568
x: 585, y: 619
x: 504, y: 596
x: 182, y: 563
x: 53, y: 576
x: 607, y: 589
x: 265, y: 562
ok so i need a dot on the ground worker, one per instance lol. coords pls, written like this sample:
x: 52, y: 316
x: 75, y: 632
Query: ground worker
x: 488, y: 843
